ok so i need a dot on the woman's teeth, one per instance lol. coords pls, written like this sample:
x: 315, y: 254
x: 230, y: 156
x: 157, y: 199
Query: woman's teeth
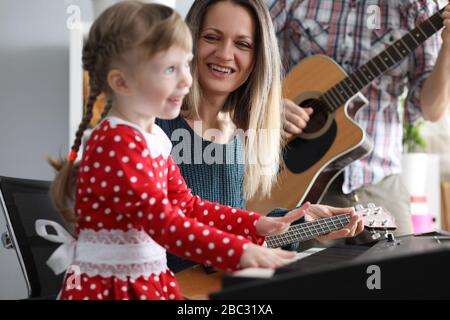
x: 220, y: 69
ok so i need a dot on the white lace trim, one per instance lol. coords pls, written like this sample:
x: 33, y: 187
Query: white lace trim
x: 120, y: 254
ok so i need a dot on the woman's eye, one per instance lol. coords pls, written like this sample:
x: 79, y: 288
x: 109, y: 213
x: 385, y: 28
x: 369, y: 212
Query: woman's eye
x: 210, y: 37
x: 169, y: 70
x: 245, y: 45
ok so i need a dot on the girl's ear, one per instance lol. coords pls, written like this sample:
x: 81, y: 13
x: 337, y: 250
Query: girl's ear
x: 118, y: 82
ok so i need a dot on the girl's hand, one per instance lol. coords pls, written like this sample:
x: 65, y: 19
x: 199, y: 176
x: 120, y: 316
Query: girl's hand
x: 353, y: 228
x: 256, y: 256
x: 271, y: 226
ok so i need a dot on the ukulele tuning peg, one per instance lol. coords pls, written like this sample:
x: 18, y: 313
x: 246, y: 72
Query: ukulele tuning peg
x: 371, y: 205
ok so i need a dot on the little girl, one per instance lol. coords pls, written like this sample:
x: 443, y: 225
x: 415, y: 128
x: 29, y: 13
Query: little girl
x: 131, y: 203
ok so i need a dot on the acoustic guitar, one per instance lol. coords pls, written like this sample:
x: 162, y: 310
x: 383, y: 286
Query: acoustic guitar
x: 196, y: 283
x: 332, y: 139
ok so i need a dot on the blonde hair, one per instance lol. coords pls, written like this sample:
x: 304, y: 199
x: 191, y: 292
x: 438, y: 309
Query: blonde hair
x: 123, y: 27
x: 257, y: 104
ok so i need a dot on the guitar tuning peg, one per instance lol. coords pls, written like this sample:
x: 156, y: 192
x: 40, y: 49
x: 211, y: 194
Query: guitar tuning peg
x: 359, y: 207
x: 371, y: 205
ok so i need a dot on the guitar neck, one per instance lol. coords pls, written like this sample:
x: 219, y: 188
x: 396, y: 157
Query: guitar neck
x: 308, y: 230
x: 400, y: 49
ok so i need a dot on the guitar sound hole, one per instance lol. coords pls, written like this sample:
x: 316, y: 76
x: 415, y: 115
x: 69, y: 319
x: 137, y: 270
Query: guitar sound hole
x: 319, y: 117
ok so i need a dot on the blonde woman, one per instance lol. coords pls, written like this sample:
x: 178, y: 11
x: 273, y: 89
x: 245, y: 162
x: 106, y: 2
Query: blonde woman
x: 236, y: 89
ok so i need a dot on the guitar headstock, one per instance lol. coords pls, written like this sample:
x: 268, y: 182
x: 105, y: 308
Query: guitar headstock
x: 376, y: 218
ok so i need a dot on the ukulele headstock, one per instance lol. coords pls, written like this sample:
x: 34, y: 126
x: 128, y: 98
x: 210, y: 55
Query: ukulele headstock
x: 376, y: 218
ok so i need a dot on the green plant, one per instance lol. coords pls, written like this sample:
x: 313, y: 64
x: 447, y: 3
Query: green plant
x: 412, y: 138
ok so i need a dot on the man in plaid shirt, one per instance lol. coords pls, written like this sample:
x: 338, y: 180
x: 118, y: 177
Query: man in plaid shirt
x: 342, y: 30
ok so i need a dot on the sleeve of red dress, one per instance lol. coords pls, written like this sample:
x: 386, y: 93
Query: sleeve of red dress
x: 147, y: 203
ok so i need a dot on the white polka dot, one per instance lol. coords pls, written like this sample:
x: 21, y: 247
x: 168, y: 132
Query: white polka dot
x: 116, y: 188
x: 246, y: 231
x: 139, y: 166
x: 178, y: 243
x: 119, y: 217
x: 205, y: 212
x: 173, y: 228
x: 107, y: 169
x: 180, y: 182
x: 201, y: 203
x: 92, y: 286
x: 161, y: 163
x: 131, y: 145
x: 140, y: 214
x: 144, y: 153
x: 219, y: 259
x: 211, y: 246
x: 187, y: 254
x: 128, y: 204
x: 89, y: 190
x: 125, y: 159
x: 239, y: 220
x: 133, y: 179
x: 152, y: 201
x: 143, y: 297
x: 211, y: 223
x: 230, y: 252
x: 96, y: 165
x: 186, y: 224
x: 151, y: 231
x: 138, y: 139
x: 198, y: 251
x: 86, y: 169
x: 158, y: 185
x: 226, y: 240
x: 191, y: 237
x: 233, y: 210
x: 107, y: 211
x: 92, y: 179
x: 85, y: 199
x: 88, y: 218
x: 155, y: 165
x: 145, y: 288
x: 124, y: 289
x: 99, y: 149
x: 216, y: 207
x: 222, y: 217
x: 162, y: 215
x: 116, y: 199
x: 120, y: 173
x: 206, y: 232
x: 150, y: 174
x: 95, y: 206
x: 117, y: 138
x: 104, y: 184
x: 150, y: 216
x: 112, y: 153
x: 144, y: 196
x: 245, y: 246
x: 229, y: 227
x: 100, y: 225
x: 86, y: 298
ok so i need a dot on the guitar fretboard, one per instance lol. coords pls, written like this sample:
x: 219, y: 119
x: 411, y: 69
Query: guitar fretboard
x: 400, y: 49
x: 308, y: 230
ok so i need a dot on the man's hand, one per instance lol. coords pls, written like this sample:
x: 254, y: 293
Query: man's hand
x: 295, y: 119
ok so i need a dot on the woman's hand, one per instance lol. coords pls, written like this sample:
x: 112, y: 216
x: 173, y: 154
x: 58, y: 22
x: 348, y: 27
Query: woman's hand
x: 353, y: 228
x: 271, y: 226
x: 256, y: 256
x: 295, y: 119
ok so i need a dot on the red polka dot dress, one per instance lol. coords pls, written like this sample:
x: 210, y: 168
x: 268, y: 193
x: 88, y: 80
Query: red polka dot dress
x: 132, y: 205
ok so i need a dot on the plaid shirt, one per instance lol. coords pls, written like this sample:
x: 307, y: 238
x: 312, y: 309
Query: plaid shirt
x: 340, y: 30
